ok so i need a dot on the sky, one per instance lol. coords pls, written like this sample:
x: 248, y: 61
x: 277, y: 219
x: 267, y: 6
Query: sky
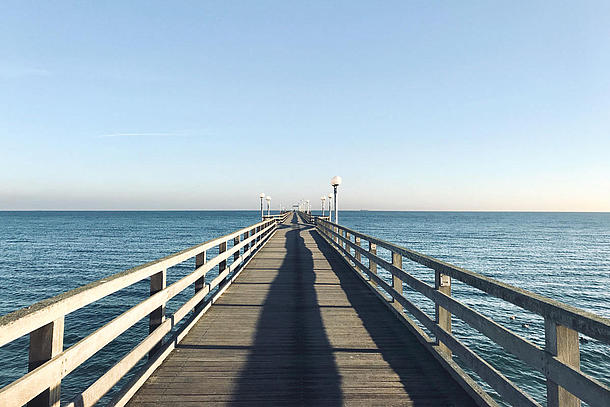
x: 418, y: 105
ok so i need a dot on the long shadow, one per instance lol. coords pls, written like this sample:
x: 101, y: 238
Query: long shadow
x: 291, y: 360
x: 422, y: 377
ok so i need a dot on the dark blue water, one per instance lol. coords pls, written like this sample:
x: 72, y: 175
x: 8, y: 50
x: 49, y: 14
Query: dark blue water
x: 565, y: 256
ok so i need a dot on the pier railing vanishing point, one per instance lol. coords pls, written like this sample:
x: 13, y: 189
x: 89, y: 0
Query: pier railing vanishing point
x: 558, y: 361
x: 44, y: 321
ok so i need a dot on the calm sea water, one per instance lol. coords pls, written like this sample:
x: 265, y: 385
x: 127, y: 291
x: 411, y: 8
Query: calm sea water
x: 564, y: 256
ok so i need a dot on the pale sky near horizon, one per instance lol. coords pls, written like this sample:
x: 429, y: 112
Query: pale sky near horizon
x: 204, y: 104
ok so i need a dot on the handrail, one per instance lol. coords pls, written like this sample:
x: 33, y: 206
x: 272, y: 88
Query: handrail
x: 558, y: 361
x: 281, y: 217
x: 49, y: 362
x: 309, y: 218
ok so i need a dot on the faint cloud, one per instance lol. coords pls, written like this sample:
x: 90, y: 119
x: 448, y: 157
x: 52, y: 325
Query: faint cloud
x: 141, y: 135
x: 16, y: 73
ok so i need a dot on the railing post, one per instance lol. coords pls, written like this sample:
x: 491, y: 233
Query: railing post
x: 348, y: 248
x: 561, y: 342
x: 442, y: 283
x: 222, y: 266
x: 247, y: 246
x: 253, y: 241
x: 356, y: 252
x: 200, y: 260
x: 397, y: 282
x: 45, y: 343
x: 158, y: 282
x: 372, y: 264
x: 236, y: 243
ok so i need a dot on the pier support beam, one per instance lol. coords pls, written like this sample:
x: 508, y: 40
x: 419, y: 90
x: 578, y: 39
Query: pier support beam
x: 45, y: 343
x: 442, y: 283
x: 561, y: 342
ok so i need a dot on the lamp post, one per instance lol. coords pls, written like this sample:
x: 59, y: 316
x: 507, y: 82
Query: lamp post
x: 330, y: 207
x: 268, y: 205
x: 335, y: 182
x: 308, y: 207
x: 262, y: 196
x: 322, y: 198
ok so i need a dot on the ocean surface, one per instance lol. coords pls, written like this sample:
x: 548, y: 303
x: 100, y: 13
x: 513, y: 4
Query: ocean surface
x: 564, y: 256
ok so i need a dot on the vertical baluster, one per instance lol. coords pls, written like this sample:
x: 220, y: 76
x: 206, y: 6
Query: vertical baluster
x: 372, y: 264
x: 348, y: 248
x: 222, y: 266
x: 561, y: 342
x: 397, y: 282
x: 158, y: 282
x: 247, y: 245
x: 442, y: 283
x: 45, y: 343
x: 357, y: 254
x: 200, y: 260
x: 236, y: 243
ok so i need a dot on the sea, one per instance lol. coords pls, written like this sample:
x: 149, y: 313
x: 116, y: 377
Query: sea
x: 563, y: 256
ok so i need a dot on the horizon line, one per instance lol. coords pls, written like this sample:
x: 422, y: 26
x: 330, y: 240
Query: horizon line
x: 342, y: 210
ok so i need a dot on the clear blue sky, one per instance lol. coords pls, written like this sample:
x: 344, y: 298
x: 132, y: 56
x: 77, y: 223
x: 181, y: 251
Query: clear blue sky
x: 200, y: 105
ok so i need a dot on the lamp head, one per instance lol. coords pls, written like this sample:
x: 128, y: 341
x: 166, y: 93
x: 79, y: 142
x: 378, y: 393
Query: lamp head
x: 268, y: 198
x: 323, y: 198
x: 330, y: 197
x: 335, y: 181
x: 262, y: 195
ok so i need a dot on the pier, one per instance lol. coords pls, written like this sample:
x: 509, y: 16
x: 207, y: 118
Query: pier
x: 296, y: 310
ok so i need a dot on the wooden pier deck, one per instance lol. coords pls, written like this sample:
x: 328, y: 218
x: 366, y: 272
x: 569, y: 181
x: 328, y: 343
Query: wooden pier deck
x: 298, y: 327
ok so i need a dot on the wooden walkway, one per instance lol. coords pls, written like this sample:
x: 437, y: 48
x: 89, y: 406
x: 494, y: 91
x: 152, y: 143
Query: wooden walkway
x: 299, y: 328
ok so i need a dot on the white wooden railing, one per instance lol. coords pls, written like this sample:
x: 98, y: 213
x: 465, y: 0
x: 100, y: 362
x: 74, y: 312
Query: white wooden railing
x: 558, y: 361
x: 44, y: 321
